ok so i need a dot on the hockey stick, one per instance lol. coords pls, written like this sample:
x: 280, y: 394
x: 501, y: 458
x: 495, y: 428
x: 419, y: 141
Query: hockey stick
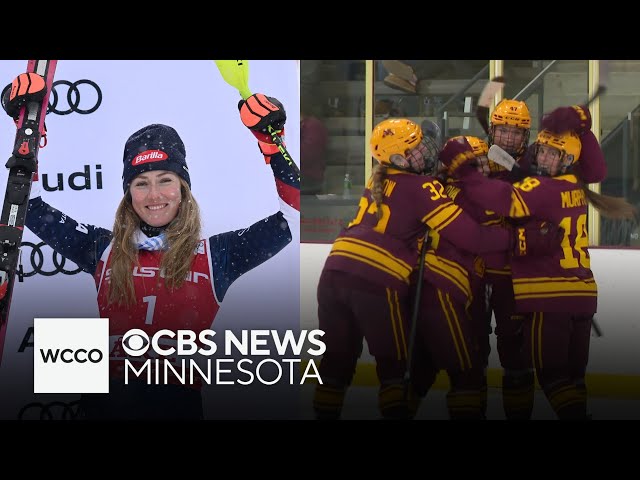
x: 596, y: 327
x: 236, y: 74
x: 489, y: 91
x: 414, y: 314
x: 494, y: 85
x: 603, y: 81
x: 599, y: 91
x: 501, y: 157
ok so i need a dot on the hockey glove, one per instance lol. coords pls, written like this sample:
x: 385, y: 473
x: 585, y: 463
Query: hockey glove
x: 576, y: 118
x: 537, y: 238
x: 26, y: 87
x: 457, y: 156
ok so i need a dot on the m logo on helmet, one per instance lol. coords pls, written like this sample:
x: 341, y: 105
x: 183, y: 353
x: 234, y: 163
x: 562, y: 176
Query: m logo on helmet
x: 149, y: 156
x: 387, y: 132
x: 580, y: 111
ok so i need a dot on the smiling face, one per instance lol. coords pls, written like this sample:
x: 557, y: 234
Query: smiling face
x: 510, y: 139
x: 548, y: 160
x: 156, y: 197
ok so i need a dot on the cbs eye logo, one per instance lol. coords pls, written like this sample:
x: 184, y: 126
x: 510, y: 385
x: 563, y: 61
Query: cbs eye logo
x: 136, y: 342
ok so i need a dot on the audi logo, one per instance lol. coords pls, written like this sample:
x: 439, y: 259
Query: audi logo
x: 50, y: 411
x: 64, y: 89
x: 37, y: 261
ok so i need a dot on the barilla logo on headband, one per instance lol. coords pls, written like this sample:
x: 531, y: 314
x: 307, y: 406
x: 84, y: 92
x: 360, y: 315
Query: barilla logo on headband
x: 149, y: 156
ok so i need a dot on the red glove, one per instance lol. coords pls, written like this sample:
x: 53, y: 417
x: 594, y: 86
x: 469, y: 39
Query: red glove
x: 259, y: 112
x: 26, y: 87
x: 455, y: 154
x: 576, y: 118
x: 537, y: 238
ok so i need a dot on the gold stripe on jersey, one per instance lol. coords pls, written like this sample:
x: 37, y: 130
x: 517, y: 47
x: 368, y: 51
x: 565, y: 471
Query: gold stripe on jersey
x: 567, y: 178
x: 553, y: 279
x: 564, y: 397
x: 453, y: 333
x: 392, y: 312
x: 555, y: 295
x: 372, y: 255
x: 543, y: 287
x: 459, y: 330
x: 518, y: 206
x: 540, y: 321
x: 395, y: 171
x: 403, y: 340
x: 536, y: 339
x: 449, y: 270
x: 505, y: 271
x: 453, y: 216
x: 439, y: 214
x: 373, y: 246
x: 497, y: 221
x: 373, y: 264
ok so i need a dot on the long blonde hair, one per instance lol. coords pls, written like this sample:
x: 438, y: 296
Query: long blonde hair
x: 616, y: 208
x: 183, y: 235
x: 377, y: 178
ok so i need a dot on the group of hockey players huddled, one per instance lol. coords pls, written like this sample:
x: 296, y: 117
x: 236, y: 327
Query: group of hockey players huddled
x: 503, y: 241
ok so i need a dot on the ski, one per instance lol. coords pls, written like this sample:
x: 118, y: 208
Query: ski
x: 22, y: 165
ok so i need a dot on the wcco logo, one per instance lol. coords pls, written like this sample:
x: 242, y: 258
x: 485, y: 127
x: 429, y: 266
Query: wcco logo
x: 70, y: 355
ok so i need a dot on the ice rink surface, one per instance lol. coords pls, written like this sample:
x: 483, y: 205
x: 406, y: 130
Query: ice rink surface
x: 361, y: 404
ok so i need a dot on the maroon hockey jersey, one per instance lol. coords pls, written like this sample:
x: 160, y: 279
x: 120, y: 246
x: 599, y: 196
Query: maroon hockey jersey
x: 385, y: 251
x: 558, y: 282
